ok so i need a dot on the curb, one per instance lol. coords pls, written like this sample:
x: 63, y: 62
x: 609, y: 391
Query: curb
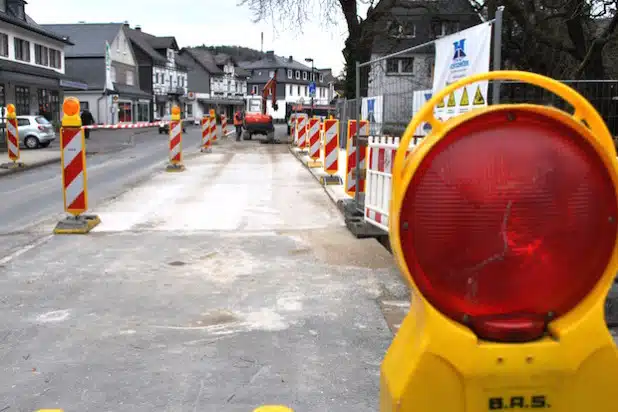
x: 29, y: 167
x: 330, y: 193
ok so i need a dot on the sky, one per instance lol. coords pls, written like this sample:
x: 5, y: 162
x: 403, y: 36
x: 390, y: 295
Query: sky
x: 210, y: 22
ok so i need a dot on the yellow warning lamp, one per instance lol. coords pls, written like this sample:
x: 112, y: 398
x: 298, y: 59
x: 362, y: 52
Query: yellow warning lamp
x: 70, y: 109
x: 10, y: 111
x: 175, y: 113
x: 504, y: 221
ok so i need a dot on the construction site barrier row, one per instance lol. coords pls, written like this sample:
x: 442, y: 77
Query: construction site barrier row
x: 320, y: 142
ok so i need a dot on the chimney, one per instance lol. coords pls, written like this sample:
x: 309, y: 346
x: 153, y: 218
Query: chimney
x: 138, y: 28
x: 291, y: 59
x: 270, y: 55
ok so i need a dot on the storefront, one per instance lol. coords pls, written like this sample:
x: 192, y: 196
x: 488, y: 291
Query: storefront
x: 133, y: 105
x: 33, y: 90
x: 222, y: 105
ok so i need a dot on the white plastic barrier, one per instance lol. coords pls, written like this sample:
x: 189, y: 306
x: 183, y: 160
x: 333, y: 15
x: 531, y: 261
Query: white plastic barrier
x: 378, y: 188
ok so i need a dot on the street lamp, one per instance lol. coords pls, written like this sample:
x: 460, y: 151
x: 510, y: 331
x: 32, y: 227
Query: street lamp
x: 310, y: 60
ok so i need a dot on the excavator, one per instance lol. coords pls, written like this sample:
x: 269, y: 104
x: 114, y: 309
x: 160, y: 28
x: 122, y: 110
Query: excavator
x: 256, y: 120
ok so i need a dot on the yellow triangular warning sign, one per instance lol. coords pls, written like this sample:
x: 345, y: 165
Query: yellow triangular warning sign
x: 451, y: 100
x: 478, y: 97
x: 464, y: 98
x: 440, y: 105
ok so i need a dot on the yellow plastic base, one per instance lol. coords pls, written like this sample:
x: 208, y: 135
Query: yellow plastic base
x: 12, y: 165
x: 173, y: 168
x: 273, y: 408
x: 77, y: 225
x: 314, y: 163
x: 330, y: 180
x: 435, y: 364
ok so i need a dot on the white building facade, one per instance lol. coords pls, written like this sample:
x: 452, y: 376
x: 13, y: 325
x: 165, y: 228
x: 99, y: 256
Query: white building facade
x: 32, y: 67
x: 168, y: 80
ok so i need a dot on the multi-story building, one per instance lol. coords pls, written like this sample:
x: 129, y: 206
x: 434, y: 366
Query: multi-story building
x: 398, y: 77
x: 293, y: 79
x: 124, y: 102
x: 32, y: 68
x: 215, y: 82
x: 160, y: 74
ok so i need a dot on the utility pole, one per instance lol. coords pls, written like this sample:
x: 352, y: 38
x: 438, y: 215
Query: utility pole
x: 309, y: 59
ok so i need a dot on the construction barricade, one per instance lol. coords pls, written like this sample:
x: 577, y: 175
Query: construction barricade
x: 331, y: 153
x: 213, y: 127
x: 205, y: 125
x: 314, y: 142
x: 223, y: 125
x: 175, y: 163
x: 382, y: 150
x: 353, y: 182
x: 74, y: 175
x: 301, y: 131
x: 12, y: 139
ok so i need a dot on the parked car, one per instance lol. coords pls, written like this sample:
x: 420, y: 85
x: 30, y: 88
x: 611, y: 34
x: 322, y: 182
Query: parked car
x: 165, y: 127
x: 34, y: 131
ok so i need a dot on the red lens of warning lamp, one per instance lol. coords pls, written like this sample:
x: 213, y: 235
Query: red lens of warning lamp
x: 508, y: 222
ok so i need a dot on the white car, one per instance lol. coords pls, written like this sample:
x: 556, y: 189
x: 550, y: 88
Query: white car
x: 34, y: 131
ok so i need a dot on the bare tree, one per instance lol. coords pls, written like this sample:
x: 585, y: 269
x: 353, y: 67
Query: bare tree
x: 560, y: 38
x: 361, y: 30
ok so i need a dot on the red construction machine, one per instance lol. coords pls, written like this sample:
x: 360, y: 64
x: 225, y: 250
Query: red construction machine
x: 256, y: 120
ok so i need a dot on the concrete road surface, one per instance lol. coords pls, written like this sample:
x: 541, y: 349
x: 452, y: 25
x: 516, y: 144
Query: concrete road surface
x: 221, y: 288
x: 34, y: 195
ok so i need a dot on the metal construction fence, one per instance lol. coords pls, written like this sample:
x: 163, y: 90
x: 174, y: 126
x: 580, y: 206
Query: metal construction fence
x: 390, y: 101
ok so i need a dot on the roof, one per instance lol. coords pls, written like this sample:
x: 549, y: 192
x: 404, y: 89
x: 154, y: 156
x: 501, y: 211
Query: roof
x: 272, y: 61
x: 166, y: 42
x: 204, y: 58
x: 91, y: 70
x: 31, y: 25
x: 88, y: 38
x: 143, y: 41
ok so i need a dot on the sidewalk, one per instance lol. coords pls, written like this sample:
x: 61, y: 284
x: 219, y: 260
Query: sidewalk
x: 31, y: 159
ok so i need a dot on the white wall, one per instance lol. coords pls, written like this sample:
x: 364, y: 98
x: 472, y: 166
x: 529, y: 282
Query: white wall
x: 33, y: 38
x: 292, y: 95
x: 121, y: 51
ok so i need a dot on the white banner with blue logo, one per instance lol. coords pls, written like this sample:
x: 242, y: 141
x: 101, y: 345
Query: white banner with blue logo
x: 460, y: 55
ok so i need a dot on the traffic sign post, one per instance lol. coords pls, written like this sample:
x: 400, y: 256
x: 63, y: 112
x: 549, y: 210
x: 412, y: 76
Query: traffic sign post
x: 504, y: 221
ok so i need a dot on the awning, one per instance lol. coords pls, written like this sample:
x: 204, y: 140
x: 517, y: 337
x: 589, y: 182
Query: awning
x: 23, y: 79
x: 26, y: 75
x: 124, y: 90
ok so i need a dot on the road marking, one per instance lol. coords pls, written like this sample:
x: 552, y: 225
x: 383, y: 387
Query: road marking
x: 25, y: 249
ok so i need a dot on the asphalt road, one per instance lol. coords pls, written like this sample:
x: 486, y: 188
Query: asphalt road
x: 230, y: 285
x: 116, y: 162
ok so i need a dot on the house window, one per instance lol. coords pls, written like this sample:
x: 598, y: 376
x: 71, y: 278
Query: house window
x: 304, y: 75
x: 402, y: 65
x: 22, y: 100
x: 189, y: 109
x: 401, y: 31
x: 290, y: 74
x: 22, y: 50
x: 297, y: 74
x: 306, y: 92
x: 254, y: 89
x: 406, y: 65
x: 4, y: 44
x: 130, y: 80
x: 298, y: 90
x: 321, y: 78
x: 41, y: 55
x: 55, y: 59
x: 444, y: 28
x: 271, y: 74
x: 290, y: 89
x: 84, y: 105
x: 112, y: 74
